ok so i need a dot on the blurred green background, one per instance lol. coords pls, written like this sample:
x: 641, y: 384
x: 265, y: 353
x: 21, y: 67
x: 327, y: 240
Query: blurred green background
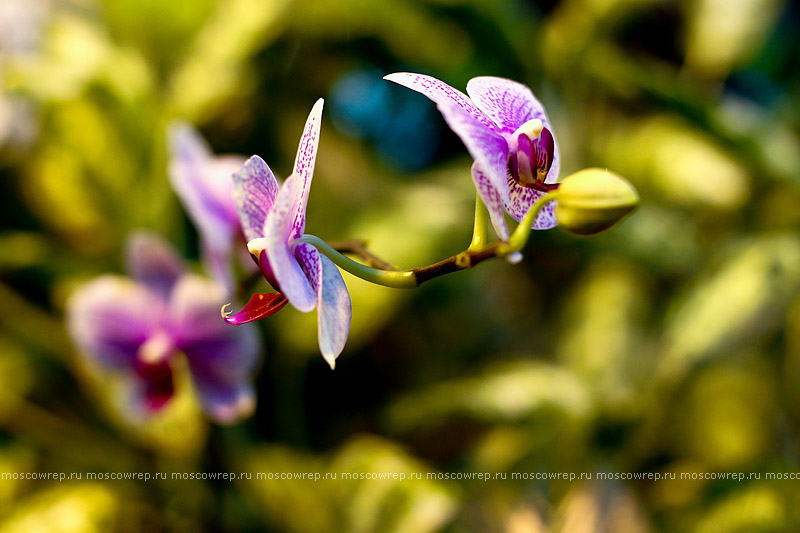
x: 668, y: 345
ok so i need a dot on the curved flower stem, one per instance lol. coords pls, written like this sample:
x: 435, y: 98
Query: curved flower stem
x: 398, y: 279
x: 408, y: 279
x: 523, y: 230
x: 481, y: 223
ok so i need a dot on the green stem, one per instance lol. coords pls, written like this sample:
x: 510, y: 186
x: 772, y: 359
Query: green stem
x: 481, y: 223
x: 397, y: 279
x: 408, y: 279
x: 523, y: 230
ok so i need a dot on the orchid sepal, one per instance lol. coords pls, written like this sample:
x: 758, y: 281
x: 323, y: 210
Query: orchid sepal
x: 260, y: 305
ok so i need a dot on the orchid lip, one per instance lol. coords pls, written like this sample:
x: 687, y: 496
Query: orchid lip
x: 531, y: 155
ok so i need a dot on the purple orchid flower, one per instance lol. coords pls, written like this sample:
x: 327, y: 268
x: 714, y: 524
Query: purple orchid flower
x: 138, y: 325
x: 204, y: 184
x: 507, y: 132
x: 274, y: 219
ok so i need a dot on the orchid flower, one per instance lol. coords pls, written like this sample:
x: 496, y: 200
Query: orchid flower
x: 273, y: 219
x: 506, y: 130
x: 203, y: 183
x: 138, y: 325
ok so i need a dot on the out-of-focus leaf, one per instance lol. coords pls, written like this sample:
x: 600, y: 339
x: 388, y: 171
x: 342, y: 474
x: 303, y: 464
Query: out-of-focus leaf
x: 500, y: 448
x: 721, y: 35
x: 214, y: 69
x: 444, y: 46
x: 733, y: 304
x: 764, y: 133
x: 511, y: 391
x: 753, y: 508
x: 663, y: 239
x: 588, y: 508
x: 30, y: 326
x: 14, y: 459
x: 58, y: 192
x: 525, y: 519
x: 366, y: 487
x: 78, y: 508
x: 74, y: 52
x: 682, y: 491
x: 21, y: 249
x: 673, y: 158
x: 16, y: 378
x: 602, y: 339
x: 291, y: 503
x: 726, y: 421
x: 418, y: 505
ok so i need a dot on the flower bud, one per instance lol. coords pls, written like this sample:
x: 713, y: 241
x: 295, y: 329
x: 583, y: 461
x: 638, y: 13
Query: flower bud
x: 593, y: 200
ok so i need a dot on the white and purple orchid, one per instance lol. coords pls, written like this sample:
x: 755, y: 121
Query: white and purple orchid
x: 203, y: 183
x: 138, y: 325
x: 273, y: 219
x: 508, y: 134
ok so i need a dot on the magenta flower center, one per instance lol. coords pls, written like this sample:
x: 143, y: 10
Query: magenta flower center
x: 530, y: 155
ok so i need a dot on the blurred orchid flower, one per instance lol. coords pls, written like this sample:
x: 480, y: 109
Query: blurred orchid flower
x: 204, y: 184
x: 507, y: 132
x: 139, y: 324
x: 274, y: 219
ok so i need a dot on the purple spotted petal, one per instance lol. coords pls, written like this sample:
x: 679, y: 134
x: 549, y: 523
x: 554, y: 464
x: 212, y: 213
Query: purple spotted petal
x: 489, y: 149
x: 111, y: 317
x: 304, y: 168
x: 333, y: 301
x: 222, y: 359
x: 254, y: 191
x: 522, y: 198
x: 442, y: 94
x: 291, y: 280
x: 491, y: 200
x: 508, y: 103
x: 153, y: 262
x: 261, y: 305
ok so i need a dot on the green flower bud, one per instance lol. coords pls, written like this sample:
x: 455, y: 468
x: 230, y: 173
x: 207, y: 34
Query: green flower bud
x: 593, y: 200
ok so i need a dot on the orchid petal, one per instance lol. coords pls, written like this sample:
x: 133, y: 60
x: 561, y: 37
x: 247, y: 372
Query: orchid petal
x: 491, y: 199
x: 508, y: 103
x: 511, y: 104
x: 153, y: 262
x: 222, y: 359
x: 196, y: 328
x: 522, y: 198
x: 304, y: 168
x: 111, y: 317
x: 261, y: 305
x: 291, y: 280
x: 488, y: 148
x: 205, y: 186
x: 254, y: 191
x: 442, y: 94
x: 334, y: 309
x: 202, y: 181
x: 226, y: 403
